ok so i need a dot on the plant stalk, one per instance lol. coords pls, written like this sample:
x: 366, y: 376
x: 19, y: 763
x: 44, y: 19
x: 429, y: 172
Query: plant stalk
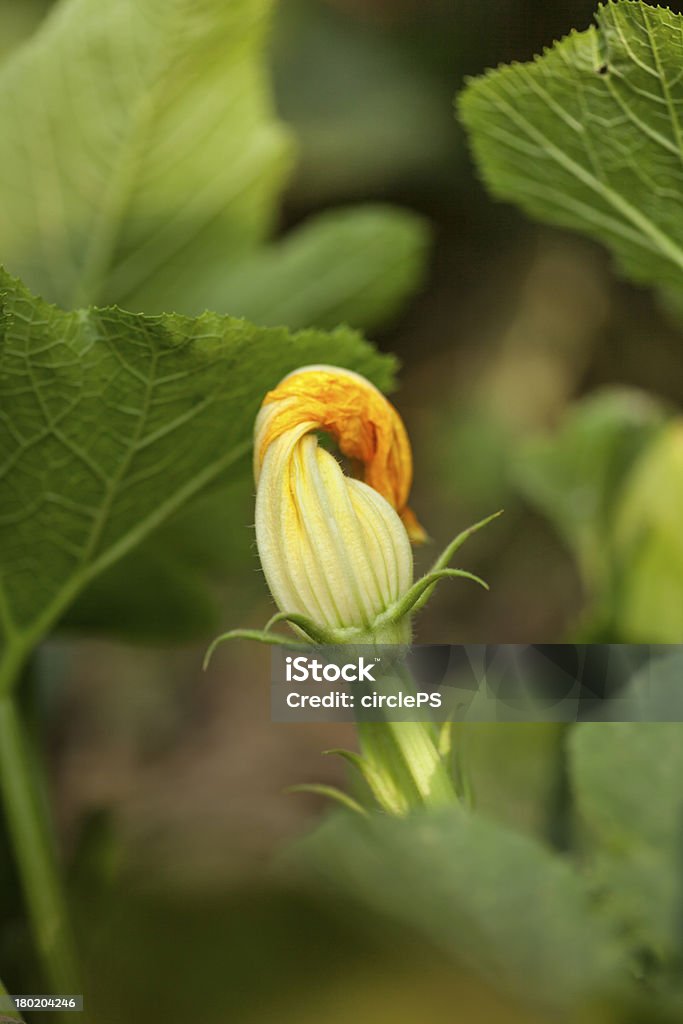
x: 27, y: 819
x: 407, y: 757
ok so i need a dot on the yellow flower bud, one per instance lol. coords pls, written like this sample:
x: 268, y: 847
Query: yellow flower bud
x: 334, y: 549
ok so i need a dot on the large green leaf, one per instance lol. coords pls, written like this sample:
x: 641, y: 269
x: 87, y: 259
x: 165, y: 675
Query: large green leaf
x: 627, y: 781
x: 500, y: 902
x: 138, y: 149
x: 199, y: 568
x: 590, y: 136
x: 109, y: 423
x: 142, y: 164
x: 354, y: 265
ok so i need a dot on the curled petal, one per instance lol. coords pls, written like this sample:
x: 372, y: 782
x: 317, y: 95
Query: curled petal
x: 366, y: 427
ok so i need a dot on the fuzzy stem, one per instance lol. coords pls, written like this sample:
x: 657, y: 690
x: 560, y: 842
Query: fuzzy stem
x: 27, y: 823
x: 407, y: 755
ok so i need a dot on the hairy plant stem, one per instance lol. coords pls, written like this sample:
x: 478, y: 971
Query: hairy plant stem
x: 405, y: 758
x: 27, y: 817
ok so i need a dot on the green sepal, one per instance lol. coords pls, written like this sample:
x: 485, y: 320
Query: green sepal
x: 421, y: 590
x: 384, y: 769
x: 455, y: 545
x: 317, y: 634
x: 330, y: 791
x: 351, y: 756
x: 261, y: 636
x: 387, y: 796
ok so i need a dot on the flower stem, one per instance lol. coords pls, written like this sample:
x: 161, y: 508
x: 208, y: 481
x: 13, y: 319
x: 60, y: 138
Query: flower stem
x: 27, y: 822
x: 418, y: 745
x: 406, y: 757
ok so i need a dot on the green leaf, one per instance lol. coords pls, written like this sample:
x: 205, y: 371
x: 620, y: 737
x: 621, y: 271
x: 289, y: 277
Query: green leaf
x: 183, y: 580
x: 152, y: 595
x: 648, y: 542
x: 355, y: 265
x: 109, y: 423
x: 590, y: 136
x: 629, y: 795
x: 501, y: 903
x: 515, y: 771
x: 577, y: 475
x: 610, y: 481
x: 138, y: 149
x: 627, y: 778
x: 143, y: 166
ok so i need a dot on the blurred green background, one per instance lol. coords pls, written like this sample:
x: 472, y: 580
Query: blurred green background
x: 533, y: 379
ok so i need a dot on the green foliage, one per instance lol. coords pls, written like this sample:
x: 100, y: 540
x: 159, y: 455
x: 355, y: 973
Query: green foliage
x: 142, y: 164
x: 181, y: 576
x: 174, y: 584
x: 515, y: 771
x: 580, y: 478
x: 110, y: 422
x: 500, y: 902
x: 627, y: 784
x: 138, y: 147
x: 596, y: 928
x: 354, y: 265
x: 589, y: 136
x: 649, y: 543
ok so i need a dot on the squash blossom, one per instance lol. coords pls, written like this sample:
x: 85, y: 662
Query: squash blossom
x: 335, y: 548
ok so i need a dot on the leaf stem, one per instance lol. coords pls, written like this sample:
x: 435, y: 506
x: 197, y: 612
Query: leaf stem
x: 27, y: 822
